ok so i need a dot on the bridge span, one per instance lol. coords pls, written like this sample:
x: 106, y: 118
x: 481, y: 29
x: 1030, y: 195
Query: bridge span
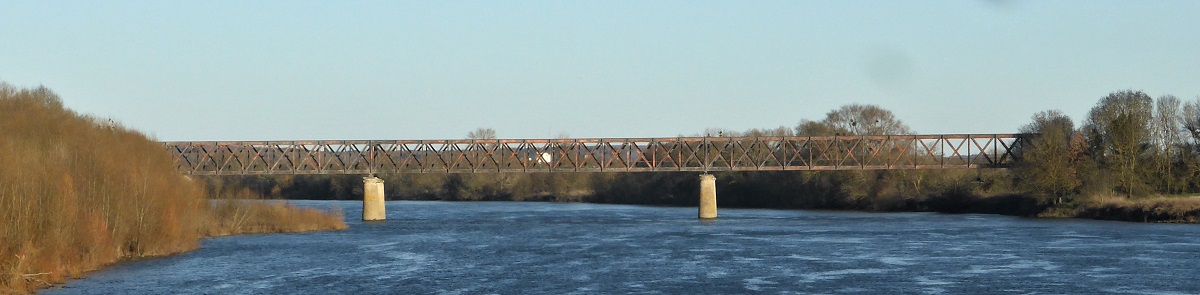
x: 700, y: 154
x: 951, y: 151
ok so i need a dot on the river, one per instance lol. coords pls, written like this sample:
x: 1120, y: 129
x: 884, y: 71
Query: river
x: 554, y: 248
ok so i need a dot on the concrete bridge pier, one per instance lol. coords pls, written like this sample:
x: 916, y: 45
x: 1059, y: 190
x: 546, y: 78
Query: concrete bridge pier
x: 373, y: 206
x: 708, y: 196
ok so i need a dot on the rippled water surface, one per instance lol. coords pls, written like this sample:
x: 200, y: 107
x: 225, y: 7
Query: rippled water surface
x: 521, y: 248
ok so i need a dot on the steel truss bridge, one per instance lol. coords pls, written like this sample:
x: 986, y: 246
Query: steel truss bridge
x: 950, y: 151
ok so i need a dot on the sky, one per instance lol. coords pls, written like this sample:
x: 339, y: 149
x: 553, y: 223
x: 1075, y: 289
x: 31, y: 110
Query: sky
x: 306, y: 70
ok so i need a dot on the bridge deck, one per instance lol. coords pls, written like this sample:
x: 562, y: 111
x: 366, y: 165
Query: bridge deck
x: 950, y: 151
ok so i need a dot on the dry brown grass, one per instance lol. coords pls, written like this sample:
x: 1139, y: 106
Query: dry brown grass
x: 243, y: 212
x: 77, y: 193
x: 1150, y: 209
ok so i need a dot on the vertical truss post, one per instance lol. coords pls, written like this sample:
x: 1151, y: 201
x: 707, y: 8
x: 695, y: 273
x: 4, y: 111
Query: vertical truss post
x: 942, y: 150
x: 707, y: 152
x: 862, y: 158
x: 371, y: 161
x: 996, y: 149
x: 969, y: 142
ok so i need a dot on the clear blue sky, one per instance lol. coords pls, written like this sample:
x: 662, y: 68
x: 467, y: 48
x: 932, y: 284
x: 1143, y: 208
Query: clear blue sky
x: 277, y: 70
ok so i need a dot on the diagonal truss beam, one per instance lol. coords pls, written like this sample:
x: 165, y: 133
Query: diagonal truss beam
x: 949, y: 151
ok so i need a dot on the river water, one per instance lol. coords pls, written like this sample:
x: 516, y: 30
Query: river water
x: 549, y: 248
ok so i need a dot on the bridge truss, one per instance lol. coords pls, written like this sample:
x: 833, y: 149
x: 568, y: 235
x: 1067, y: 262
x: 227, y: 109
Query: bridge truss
x: 597, y: 155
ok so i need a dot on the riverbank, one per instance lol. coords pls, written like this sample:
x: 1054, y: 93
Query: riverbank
x: 78, y: 193
x: 991, y: 191
x: 243, y: 212
x: 226, y: 218
x: 1154, y: 209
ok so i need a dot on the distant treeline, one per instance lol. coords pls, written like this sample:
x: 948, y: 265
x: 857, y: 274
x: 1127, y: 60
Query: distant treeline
x: 79, y: 192
x: 899, y: 190
x: 1131, y: 149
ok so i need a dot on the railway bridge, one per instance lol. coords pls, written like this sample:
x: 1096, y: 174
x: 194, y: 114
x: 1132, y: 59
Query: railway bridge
x: 699, y: 154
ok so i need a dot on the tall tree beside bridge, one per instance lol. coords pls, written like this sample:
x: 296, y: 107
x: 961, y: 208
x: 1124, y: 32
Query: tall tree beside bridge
x: 1118, y: 132
x: 1166, y: 138
x: 1047, y: 169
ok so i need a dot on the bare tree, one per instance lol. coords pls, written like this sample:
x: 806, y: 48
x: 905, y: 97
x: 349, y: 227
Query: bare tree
x: 813, y: 128
x: 1046, y: 167
x: 1118, y: 132
x: 1190, y: 119
x: 781, y: 131
x: 482, y: 133
x: 854, y: 119
x: 721, y: 132
x: 859, y: 119
x: 1166, y: 136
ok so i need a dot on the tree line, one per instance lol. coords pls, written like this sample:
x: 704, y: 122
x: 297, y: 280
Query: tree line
x: 1130, y: 145
x: 1131, y: 151
x: 1130, y: 148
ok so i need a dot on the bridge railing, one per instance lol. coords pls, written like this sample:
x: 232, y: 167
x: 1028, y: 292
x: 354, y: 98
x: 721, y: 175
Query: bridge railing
x: 596, y: 154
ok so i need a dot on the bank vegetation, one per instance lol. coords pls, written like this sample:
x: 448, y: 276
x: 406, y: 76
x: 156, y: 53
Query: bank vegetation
x: 79, y: 192
x: 1134, y: 158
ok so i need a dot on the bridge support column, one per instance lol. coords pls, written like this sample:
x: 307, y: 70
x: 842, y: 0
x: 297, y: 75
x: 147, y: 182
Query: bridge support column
x: 373, y: 206
x: 708, y: 196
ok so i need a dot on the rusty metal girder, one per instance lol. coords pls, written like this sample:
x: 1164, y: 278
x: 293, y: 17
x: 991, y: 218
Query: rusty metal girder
x: 952, y: 151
